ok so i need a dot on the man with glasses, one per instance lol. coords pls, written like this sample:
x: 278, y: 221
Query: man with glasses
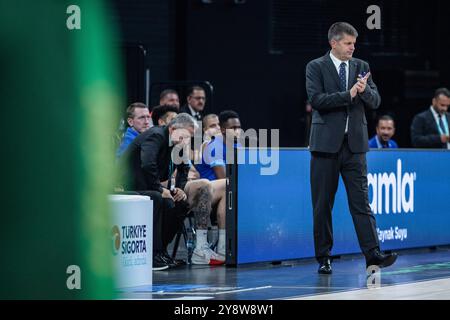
x: 196, y: 101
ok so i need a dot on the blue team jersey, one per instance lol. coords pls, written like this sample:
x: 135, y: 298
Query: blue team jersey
x: 214, y: 155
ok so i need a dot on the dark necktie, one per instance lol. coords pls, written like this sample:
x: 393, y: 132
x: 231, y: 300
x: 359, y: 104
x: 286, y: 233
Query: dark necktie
x: 441, y: 123
x: 342, y: 78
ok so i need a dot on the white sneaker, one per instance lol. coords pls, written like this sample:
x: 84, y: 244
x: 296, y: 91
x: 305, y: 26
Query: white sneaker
x: 221, y: 252
x: 205, y: 255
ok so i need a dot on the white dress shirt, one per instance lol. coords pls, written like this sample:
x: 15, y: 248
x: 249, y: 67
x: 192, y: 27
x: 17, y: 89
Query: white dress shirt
x: 337, y: 65
x: 194, y: 113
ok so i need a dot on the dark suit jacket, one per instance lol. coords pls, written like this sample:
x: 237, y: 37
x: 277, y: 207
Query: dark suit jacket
x: 148, y: 158
x: 185, y: 109
x: 331, y: 106
x: 424, y: 131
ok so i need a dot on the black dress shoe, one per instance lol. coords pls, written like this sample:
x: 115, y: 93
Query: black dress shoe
x: 180, y: 262
x: 160, y: 258
x: 325, y: 266
x: 159, y: 263
x: 168, y: 259
x: 172, y: 261
x: 377, y: 258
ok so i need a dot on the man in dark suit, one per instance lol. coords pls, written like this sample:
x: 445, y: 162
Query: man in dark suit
x: 429, y: 129
x: 339, y: 87
x: 149, y: 164
x: 196, y: 101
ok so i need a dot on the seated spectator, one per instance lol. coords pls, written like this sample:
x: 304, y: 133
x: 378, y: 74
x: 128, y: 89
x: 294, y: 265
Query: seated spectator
x: 152, y: 158
x: 211, y: 127
x: 169, y: 97
x: 196, y: 101
x: 138, y: 118
x: 385, y: 131
x: 162, y: 115
x: 429, y: 129
x: 214, y: 154
x: 213, y: 159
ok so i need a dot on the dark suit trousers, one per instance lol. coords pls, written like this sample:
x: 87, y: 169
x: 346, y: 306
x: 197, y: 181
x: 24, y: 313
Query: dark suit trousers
x: 174, y: 215
x: 159, y: 206
x: 325, y: 170
x: 168, y: 219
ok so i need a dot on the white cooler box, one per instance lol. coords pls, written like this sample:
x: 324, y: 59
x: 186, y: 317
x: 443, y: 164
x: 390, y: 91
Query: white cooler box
x: 132, y: 239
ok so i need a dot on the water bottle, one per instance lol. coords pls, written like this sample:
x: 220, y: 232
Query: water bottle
x: 190, y: 243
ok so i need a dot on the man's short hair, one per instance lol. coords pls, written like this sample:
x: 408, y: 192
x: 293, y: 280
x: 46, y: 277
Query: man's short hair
x: 385, y: 117
x: 443, y: 91
x: 338, y: 29
x: 166, y: 92
x: 161, y: 112
x: 194, y: 88
x: 182, y: 121
x: 207, y: 117
x: 133, y: 106
x: 224, y: 116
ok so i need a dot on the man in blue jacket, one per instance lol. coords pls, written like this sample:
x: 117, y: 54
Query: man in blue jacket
x: 385, y: 132
x: 138, y: 118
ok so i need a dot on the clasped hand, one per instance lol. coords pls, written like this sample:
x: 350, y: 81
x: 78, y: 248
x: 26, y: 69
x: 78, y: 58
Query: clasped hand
x: 360, y: 85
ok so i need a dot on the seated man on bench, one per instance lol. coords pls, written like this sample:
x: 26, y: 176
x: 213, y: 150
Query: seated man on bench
x: 153, y: 157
